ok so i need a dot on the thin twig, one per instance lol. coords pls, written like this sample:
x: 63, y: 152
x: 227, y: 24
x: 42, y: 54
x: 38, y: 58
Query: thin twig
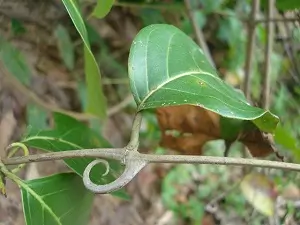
x: 31, y: 96
x: 199, y: 35
x: 159, y: 6
x: 105, y: 81
x: 268, y: 53
x: 258, y: 19
x: 118, y: 107
x: 250, y: 49
x: 292, y: 50
x: 274, y: 20
x: 293, y: 68
x: 179, y: 7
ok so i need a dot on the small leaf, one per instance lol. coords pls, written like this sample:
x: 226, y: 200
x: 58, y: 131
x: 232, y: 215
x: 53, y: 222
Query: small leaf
x: 96, y: 103
x: 210, y: 6
x: 36, y: 117
x: 59, y: 199
x: 288, y: 4
x: 260, y: 192
x: 65, y: 46
x: 296, y: 34
x: 167, y: 68
x: 151, y: 16
x: 231, y: 32
x: 70, y: 134
x: 2, y: 184
x: 17, y: 26
x: 284, y: 138
x: 15, y: 62
x: 102, y: 8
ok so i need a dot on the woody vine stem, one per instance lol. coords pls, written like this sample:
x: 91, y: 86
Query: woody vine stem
x: 135, y: 161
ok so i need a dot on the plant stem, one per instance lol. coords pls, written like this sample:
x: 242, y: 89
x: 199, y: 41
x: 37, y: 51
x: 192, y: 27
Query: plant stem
x: 166, y: 6
x: 118, y: 154
x: 198, y: 32
x: 268, y: 53
x: 112, y: 153
x: 134, y: 139
x: 250, y: 48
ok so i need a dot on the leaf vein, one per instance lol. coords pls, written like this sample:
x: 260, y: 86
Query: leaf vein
x: 168, y: 53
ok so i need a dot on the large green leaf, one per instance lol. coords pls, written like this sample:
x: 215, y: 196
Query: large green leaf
x: 60, y: 199
x: 167, y: 68
x: 14, y: 61
x: 102, y: 8
x: 70, y: 134
x: 96, y: 103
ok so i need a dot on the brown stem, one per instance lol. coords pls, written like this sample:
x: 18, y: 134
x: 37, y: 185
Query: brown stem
x: 268, y: 53
x: 250, y: 49
x: 199, y: 35
x: 274, y: 20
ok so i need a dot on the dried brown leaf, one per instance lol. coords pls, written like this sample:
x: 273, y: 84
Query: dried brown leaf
x: 186, y: 129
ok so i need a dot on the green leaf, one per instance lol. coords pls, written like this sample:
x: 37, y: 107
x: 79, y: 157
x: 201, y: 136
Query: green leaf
x: 2, y: 184
x: 231, y: 32
x: 296, y: 34
x: 288, y: 4
x: 284, y: 138
x: 167, y: 68
x: 96, y: 103
x: 15, y: 62
x: 186, y: 25
x: 151, y: 16
x: 17, y: 26
x: 102, y: 8
x: 65, y: 46
x: 36, y: 117
x: 210, y: 6
x: 70, y: 134
x: 60, y: 199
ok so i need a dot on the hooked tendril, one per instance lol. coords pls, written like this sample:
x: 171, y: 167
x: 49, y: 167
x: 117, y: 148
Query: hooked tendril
x: 132, y: 167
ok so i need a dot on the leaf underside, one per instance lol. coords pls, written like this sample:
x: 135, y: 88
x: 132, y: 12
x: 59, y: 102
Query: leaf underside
x: 167, y: 68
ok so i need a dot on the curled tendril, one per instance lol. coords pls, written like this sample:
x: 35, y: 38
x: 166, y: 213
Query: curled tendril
x: 14, y: 148
x: 132, y: 167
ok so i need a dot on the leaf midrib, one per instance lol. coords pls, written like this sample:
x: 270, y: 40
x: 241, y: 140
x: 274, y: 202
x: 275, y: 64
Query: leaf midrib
x: 189, y: 73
